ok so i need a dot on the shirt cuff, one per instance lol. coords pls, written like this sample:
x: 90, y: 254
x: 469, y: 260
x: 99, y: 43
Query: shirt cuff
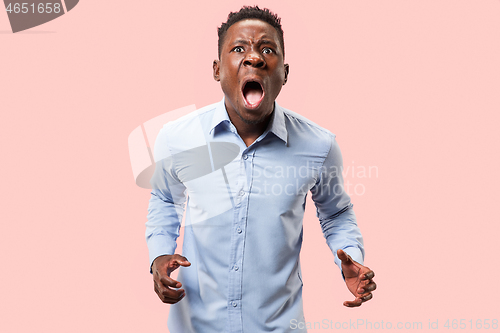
x: 159, y: 246
x: 355, y: 255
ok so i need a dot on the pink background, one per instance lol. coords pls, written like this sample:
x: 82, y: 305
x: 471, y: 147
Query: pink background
x: 410, y: 87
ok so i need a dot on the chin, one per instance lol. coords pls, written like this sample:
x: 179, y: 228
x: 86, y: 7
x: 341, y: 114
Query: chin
x: 249, y: 117
x: 252, y: 121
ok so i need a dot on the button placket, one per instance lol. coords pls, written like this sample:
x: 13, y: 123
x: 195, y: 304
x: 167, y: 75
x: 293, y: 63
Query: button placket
x: 238, y: 241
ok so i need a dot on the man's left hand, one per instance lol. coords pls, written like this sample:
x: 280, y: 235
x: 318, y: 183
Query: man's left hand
x: 358, y: 278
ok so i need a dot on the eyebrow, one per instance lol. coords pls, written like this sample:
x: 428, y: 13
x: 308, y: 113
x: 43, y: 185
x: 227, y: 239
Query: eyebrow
x: 260, y: 42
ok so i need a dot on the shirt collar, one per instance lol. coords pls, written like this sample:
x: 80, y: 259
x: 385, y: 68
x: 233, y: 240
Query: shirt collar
x: 220, y: 116
x: 276, y: 125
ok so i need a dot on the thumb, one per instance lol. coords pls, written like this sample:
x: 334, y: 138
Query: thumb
x: 184, y: 262
x: 176, y: 262
x: 181, y: 260
x: 344, y: 257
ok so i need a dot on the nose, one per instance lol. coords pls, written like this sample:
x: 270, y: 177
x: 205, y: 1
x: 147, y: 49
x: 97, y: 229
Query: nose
x: 254, y: 59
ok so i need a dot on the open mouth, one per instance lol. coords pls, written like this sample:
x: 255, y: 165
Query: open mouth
x: 253, y: 93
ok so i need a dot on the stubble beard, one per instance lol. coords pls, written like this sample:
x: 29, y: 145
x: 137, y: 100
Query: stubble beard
x: 256, y: 121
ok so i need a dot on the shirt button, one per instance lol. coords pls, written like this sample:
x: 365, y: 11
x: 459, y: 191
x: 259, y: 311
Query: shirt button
x: 234, y: 304
x: 236, y: 268
x: 242, y: 193
x: 245, y: 156
x: 238, y: 230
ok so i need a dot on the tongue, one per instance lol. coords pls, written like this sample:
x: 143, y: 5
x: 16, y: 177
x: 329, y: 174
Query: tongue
x: 253, y: 96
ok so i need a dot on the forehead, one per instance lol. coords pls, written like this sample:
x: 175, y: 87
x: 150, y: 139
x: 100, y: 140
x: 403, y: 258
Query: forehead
x: 251, y: 28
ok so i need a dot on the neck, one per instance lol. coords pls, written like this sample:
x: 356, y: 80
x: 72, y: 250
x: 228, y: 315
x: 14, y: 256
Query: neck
x: 249, y: 132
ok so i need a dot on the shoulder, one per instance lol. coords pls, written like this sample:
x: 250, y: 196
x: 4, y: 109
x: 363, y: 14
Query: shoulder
x: 302, y: 123
x: 190, y: 120
x: 303, y: 129
x: 186, y: 132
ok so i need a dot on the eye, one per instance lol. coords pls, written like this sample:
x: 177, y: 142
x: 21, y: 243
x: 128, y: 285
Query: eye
x: 267, y: 50
x: 238, y: 49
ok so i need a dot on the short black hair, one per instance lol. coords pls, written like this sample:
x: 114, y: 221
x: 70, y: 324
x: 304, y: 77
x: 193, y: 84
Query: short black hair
x: 248, y: 12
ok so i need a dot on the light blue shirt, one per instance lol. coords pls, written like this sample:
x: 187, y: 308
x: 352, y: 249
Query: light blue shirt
x: 244, y: 213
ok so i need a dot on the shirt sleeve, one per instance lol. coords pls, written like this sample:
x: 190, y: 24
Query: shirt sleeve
x: 166, y: 206
x: 334, y: 208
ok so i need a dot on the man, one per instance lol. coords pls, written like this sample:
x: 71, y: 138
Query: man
x: 247, y: 165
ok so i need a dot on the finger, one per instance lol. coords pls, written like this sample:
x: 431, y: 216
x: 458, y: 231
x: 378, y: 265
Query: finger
x: 168, y: 295
x: 167, y: 281
x: 367, y: 297
x: 351, y: 304
x: 176, y: 262
x: 160, y: 288
x: 181, y: 260
x: 368, y: 275
x: 184, y: 261
x: 368, y: 288
x: 169, y: 298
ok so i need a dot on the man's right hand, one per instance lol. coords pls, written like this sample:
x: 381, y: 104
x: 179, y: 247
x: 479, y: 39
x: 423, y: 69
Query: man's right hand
x: 162, y: 267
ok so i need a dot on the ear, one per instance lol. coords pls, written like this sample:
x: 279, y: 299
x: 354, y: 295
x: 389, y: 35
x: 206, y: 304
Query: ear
x: 216, y: 70
x: 287, y: 69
